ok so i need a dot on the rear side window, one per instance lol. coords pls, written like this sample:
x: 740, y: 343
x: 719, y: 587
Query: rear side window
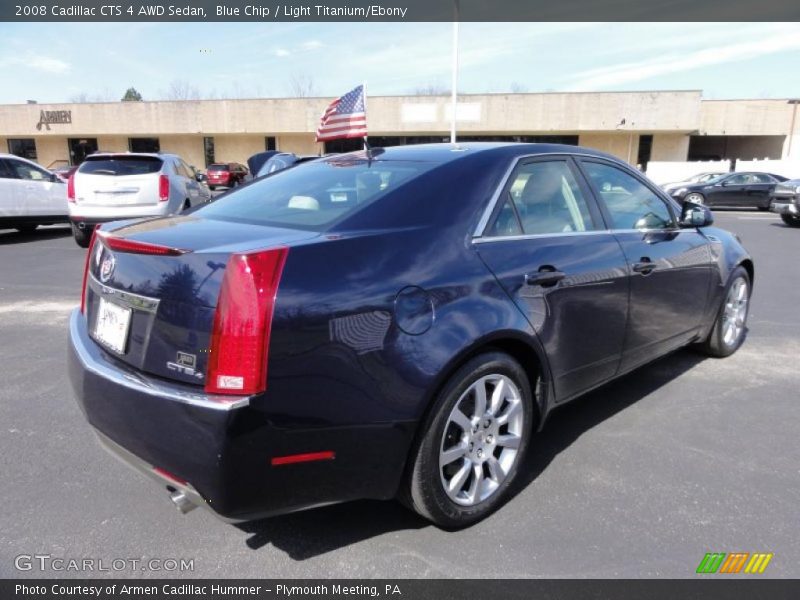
x: 315, y: 195
x: 121, y: 165
x: 631, y: 204
x: 543, y: 198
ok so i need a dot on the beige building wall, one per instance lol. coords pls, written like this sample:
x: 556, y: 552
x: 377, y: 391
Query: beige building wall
x: 670, y: 146
x: 189, y: 148
x: 303, y: 143
x: 52, y: 151
x: 237, y: 148
x: 622, y: 145
x: 112, y: 143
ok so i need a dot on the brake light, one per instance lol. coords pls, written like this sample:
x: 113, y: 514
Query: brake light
x: 133, y: 247
x: 86, y: 270
x: 243, y: 321
x: 163, y: 188
x: 71, y: 188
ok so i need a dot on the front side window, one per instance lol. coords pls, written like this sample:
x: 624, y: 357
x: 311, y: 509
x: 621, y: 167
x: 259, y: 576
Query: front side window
x: 29, y: 172
x: 630, y: 203
x: 543, y: 197
x: 740, y: 179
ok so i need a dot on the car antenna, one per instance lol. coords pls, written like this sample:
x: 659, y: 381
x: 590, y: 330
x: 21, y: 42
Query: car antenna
x: 368, y: 149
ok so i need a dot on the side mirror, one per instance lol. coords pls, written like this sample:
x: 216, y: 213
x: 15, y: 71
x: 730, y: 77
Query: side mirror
x: 199, y: 177
x: 696, y: 215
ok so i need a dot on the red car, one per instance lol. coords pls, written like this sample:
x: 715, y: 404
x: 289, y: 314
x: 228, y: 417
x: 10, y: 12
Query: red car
x: 225, y: 174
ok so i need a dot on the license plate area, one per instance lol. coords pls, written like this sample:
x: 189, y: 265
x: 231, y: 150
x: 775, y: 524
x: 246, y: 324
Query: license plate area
x: 111, y: 326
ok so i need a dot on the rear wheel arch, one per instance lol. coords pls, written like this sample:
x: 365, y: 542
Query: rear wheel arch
x: 530, y: 357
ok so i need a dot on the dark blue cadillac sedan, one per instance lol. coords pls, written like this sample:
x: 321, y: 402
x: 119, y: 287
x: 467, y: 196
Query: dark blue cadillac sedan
x: 392, y: 325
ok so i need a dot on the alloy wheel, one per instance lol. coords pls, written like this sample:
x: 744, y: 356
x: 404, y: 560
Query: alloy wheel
x: 734, y: 314
x: 694, y: 198
x: 481, y: 439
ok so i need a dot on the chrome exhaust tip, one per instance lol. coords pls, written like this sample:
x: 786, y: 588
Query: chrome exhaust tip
x: 182, y: 502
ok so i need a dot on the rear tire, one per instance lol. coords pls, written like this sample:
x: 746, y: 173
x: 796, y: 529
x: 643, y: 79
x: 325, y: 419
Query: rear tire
x: 730, y: 326
x: 26, y: 228
x: 82, y: 236
x: 472, y: 444
x: 186, y: 206
x: 791, y: 220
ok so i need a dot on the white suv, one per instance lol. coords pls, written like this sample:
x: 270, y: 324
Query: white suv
x: 29, y: 195
x: 128, y: 185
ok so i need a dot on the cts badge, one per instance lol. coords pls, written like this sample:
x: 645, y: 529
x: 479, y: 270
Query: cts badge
x: 107, y: 267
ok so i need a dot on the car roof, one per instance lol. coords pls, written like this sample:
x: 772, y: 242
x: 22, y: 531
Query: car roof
x: 125, y: 153
x: 446, y: 152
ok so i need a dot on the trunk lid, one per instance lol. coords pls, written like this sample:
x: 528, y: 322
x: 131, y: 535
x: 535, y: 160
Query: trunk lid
x: 156, y: 312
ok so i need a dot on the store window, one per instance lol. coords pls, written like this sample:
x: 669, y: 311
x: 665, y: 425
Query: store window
x: 144, y: 145
x: 22, y: 147
x: 208, y: 150
x: 270, y: 143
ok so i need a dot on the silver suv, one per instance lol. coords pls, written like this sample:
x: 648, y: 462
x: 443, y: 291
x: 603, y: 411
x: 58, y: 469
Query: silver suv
x: 112, y: 186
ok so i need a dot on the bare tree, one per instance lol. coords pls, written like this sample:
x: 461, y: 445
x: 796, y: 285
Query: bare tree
x: 83, y: 97
x: 181, y: 90
x: 302, y: 86
x: 518, y: 88
x: 431, y: 89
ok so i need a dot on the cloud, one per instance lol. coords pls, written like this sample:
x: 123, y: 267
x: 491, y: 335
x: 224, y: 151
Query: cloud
x: 282, y: 52
x: 311, y: 45
x: 605, y: 77
x: 46, y: 64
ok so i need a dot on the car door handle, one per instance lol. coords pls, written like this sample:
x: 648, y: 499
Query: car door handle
x: 644, y: 266
x: 544, y: 277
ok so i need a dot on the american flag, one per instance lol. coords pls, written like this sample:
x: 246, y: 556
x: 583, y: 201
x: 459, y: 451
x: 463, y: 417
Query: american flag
x: 345, y: 117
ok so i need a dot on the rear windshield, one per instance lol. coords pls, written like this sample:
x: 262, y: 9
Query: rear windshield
x: 121, y: 165
x: 314, y: 195
x: 217, y: 167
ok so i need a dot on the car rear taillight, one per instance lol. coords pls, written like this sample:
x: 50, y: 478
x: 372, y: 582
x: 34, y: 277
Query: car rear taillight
x: 240, y: 338
x: 86, y: 270
x: 71, y: 188
x: 163, y: 188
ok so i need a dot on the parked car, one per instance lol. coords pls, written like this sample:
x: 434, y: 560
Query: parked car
x: 694, y: 179
x: 111, y: 186
x: 786, y: 202
x: 29, y: 195
x: 733, y: 190
x: 225, y: 174
x: 257, y: 160
x: 64, y: 172
x: 282, y: 348
x: 281, y: 161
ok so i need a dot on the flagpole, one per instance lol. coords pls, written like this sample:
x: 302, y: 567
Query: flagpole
x: 454, y: 82
x: 366, y: 143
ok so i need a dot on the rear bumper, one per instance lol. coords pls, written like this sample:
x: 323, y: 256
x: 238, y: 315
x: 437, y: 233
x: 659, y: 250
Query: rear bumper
x: 785, y: 207
x: 223, y: 452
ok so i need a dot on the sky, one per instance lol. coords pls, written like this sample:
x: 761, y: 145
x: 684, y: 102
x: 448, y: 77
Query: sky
x: 63, y: 62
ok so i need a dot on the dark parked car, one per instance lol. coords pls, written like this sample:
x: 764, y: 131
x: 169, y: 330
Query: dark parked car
x: 786, y: 202
x: 225, y: 174
x: 291, y: 346
x: 752, y: 190
x: 281, y: 161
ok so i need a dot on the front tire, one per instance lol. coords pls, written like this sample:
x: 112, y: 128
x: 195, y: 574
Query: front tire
x: 473, y: 442
x: 791, y: 220
x: 695, y: 198
x: 730, y: 326
x: 82, y: 236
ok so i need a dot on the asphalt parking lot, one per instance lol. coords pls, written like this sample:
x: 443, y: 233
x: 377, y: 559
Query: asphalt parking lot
x: 639, y: 479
